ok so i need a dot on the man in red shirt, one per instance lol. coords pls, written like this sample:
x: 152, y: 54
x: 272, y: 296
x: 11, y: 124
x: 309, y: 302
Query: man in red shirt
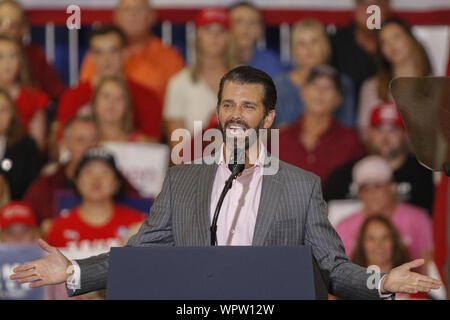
x: 80, y: 135
x: 106, y: 48
x: 387, y: 138
x: 149, y: 61
x: 317, y: 142
x: 13, y: 23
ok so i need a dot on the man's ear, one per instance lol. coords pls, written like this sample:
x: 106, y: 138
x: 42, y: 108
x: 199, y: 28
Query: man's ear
x: 270, y: 117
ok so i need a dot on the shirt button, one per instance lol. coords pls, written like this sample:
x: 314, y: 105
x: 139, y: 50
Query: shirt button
x: 232, y: 231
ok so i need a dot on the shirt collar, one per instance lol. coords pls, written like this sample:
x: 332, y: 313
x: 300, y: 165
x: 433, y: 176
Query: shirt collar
x: 258, y: 163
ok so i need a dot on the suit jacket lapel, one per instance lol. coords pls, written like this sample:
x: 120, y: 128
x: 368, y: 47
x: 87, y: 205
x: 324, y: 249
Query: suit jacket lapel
x: 204, y: 189
x: 270, y: 193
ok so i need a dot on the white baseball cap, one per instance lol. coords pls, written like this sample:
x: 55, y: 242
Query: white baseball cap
x: 372, y: 170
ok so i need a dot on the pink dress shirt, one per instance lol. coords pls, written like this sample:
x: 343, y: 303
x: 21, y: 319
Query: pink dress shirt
x: 237, y: 217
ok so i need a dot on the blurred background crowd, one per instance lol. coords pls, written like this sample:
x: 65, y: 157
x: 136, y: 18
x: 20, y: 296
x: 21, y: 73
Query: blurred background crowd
x: 83, y: 151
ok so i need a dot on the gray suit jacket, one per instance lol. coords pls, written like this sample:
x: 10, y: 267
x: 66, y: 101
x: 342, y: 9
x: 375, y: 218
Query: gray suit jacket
x: 292, y: 212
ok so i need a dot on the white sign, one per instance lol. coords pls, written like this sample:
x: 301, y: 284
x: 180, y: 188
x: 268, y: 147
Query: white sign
x: 143, y: 164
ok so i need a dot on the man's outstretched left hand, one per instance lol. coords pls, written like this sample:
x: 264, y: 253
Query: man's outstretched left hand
x: 403, y: 280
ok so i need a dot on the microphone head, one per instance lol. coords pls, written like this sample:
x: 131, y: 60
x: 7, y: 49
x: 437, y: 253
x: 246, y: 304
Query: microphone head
x: 237, y: 161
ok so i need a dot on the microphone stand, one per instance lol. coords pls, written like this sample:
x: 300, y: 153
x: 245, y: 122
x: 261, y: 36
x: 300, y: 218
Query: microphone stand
x: 236, y: 169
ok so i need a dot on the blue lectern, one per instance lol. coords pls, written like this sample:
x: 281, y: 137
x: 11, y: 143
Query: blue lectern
x: 214, y: 273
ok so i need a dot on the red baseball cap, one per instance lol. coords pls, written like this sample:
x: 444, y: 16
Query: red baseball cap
x: 385, y: 113
x: 15, y: 212
x: 212, y: 15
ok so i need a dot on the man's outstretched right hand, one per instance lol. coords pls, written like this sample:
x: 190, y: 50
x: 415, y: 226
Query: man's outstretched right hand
x: 53, y: 269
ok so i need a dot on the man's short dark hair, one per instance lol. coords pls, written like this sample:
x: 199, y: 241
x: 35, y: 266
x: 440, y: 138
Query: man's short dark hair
x: 246, y: 4
x: 250, y: 75
x: 107, y: 158
x: 106, y: 29
x: 243, y: 4
x: 76, y: 119
x: 325, y: 71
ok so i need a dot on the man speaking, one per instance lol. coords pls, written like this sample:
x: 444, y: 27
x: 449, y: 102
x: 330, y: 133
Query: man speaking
x: 284, y: 208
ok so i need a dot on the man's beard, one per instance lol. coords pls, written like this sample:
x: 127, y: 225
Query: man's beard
x: 389, y: 154
x: 237, y: 141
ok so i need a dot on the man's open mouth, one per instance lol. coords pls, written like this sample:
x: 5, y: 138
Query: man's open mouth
x: 236, y: 130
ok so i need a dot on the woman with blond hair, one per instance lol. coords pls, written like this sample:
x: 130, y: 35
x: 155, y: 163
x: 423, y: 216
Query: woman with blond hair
x: 192, y: 93
x: 400, y: 54
x: 30, y: 101
x: 113, y: 112
x: 310, y: 48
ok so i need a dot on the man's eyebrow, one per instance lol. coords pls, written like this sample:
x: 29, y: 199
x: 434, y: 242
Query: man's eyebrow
x: 245, y: 102
x: 228, y: 101
x: 249, y: 102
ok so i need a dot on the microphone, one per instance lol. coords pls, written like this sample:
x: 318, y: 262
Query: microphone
x: 236, y: 166
x: 237, y: 162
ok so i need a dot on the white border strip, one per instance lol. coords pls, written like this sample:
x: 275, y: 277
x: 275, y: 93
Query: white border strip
x: 404, y: 5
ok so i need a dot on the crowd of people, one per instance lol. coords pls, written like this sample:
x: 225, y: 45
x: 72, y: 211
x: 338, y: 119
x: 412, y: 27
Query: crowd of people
x: 336, y: 118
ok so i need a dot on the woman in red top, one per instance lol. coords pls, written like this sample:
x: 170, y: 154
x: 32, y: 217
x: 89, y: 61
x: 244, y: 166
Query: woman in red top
x: 98, y: 223
x: 113, y: 112
x: 31, y: 102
